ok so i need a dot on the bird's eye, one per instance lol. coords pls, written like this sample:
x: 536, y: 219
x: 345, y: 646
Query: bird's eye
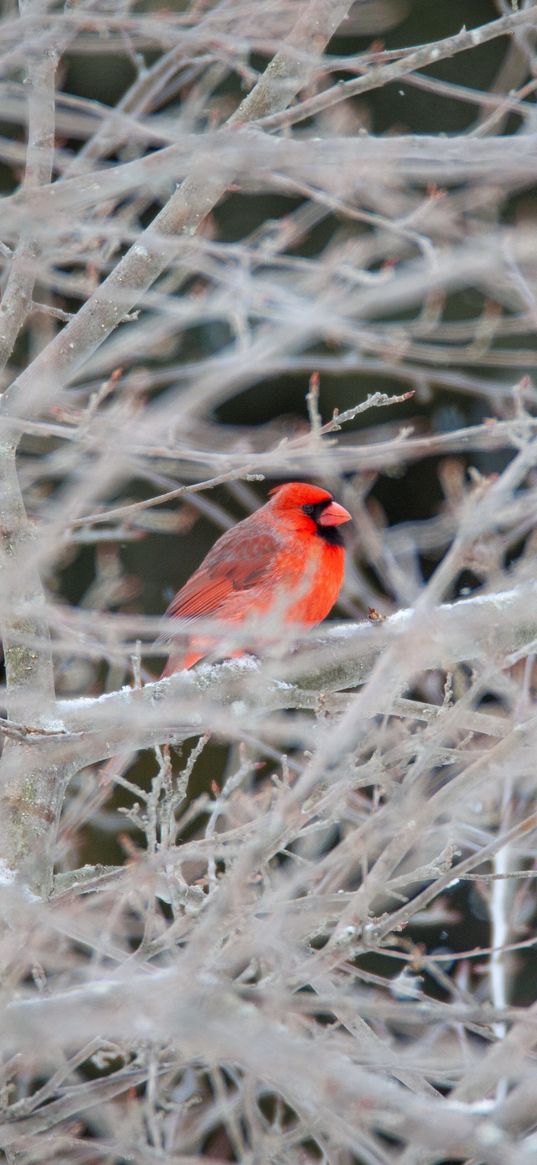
x: 308, y: 509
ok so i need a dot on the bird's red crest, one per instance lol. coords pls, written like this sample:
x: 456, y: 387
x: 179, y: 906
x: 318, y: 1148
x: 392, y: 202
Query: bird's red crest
x: 299, y: 493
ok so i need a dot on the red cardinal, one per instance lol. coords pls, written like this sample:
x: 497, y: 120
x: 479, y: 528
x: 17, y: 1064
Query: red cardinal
x: 287, y: 557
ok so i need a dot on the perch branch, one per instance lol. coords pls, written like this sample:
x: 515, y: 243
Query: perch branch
x: 477, y: 628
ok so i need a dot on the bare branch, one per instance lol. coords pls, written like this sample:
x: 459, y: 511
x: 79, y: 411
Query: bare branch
x: 183, y: 214
x: 345, y: 658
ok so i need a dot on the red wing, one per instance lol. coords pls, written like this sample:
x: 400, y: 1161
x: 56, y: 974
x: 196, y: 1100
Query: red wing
x: 200, y: 596
x: 240, y: 560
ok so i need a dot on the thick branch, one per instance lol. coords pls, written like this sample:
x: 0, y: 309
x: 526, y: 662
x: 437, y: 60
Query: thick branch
x: 183, y: 213
x: 31, y: 791
x: 492, y: 626
x: 262, y: 161
x: 25, y: 637
x: 217, y: 1024
x: 17, y: 298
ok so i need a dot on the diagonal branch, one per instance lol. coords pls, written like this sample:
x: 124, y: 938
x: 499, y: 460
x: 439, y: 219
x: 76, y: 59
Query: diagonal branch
x: 286, y: 74
x: 383, y: 74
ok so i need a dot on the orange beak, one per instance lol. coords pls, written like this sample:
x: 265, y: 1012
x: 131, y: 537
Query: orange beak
x: 334, y: 515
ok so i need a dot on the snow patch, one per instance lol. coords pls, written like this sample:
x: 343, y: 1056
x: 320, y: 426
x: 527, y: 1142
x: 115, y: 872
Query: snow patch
x: 51, y: 725
x: 7, y: 876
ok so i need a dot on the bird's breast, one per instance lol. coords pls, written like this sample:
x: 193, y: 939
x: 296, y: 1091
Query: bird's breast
x: 312, y: 585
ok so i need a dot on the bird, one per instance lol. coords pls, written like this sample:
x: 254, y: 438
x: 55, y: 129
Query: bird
x: 285, y: 561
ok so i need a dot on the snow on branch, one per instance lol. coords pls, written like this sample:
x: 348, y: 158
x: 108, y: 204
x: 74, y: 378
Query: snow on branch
x: 502, y: 626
